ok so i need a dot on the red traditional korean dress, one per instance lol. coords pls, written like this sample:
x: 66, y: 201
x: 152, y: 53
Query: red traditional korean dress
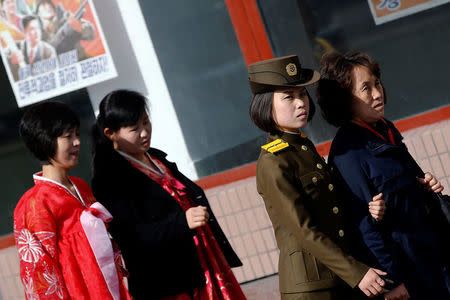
x: 64, y: 249
x: 220, y: 280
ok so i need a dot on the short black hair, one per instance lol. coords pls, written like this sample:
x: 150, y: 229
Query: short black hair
x: 119, y: 108
x: 261, y: 111
x: 27, y: 19
x: 42, y: 124
x: 42, y: 2
x: 334, y: 89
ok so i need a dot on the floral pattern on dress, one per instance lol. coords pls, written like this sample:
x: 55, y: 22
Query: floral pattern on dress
x: 29, y: 289
x: 56, y: 261
x: 54, y: 284
x: 30, y: 249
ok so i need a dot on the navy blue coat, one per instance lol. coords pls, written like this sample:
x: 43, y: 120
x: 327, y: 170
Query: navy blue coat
x: 403, y: 243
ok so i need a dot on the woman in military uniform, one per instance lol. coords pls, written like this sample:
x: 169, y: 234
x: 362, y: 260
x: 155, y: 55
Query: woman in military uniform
x: 297, y: 188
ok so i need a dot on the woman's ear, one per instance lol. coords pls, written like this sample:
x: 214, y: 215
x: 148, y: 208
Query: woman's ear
x: 110, y: 134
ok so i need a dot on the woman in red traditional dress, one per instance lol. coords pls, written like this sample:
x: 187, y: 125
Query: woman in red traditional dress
x: 64, y: 249
x: 172, y: 244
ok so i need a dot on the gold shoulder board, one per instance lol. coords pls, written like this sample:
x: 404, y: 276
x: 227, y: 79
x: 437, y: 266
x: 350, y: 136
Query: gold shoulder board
x: 275, y: 146
x: 276, y: 142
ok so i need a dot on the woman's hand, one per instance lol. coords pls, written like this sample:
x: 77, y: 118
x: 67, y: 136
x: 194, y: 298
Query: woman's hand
x: 377, y: 207
x: 431, y: 183
x: 398, y: 293
x: 197, y: 216
x: 372, y: 284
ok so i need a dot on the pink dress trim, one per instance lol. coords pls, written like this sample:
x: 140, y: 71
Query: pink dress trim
x: 93, y: 221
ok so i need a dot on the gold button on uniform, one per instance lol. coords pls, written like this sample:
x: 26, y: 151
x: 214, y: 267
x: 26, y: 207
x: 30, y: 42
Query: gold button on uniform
x: 319, y: 166
x: 331, y: 187
x: 335, y: 210
x: 341, y: 233
x: 304, y: 148
x: 314, y: 179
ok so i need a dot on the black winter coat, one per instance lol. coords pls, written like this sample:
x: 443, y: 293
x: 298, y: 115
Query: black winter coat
x: 151, y: 228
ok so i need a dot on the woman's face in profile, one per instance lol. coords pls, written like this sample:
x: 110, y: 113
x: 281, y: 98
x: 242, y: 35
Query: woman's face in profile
x: 368, y: 95
x: 67, y: 149
x: 290, y: 108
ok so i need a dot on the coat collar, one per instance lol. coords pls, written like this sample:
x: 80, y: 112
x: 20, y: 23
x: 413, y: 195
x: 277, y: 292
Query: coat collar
x: 290, y: 138
x: 374, y: 143
x: 110, y: 163
x: 108, y: 160
x: 157, y: 153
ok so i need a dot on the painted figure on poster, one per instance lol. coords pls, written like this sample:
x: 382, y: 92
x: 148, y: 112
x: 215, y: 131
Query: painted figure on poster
x: 58, y: 47
x: 30, y: 50
x: 63, y: 29
x: 10, y: 14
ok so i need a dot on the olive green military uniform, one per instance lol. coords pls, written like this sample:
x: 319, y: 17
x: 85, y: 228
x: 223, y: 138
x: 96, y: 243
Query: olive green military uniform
x: 300, y: 198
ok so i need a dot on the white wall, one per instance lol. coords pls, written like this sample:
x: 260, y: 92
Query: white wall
x: 138, y: 69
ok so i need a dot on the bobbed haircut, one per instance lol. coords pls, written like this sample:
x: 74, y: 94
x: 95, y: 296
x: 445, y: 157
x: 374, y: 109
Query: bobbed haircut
x: 27, y: 19
x: 42, y: 124
x: 119, y: 108
x: 261, y: 114
x: 334, y: 89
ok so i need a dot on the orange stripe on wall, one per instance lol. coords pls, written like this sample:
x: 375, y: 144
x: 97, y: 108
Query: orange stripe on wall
x: 7, y: 241
x: 249, y: 29
x: 323, y: 149
x: 228, y: 176
x: 423, y: 119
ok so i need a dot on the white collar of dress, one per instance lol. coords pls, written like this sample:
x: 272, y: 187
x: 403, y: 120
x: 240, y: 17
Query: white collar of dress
x: 129, y: 157
x: 38, y: 176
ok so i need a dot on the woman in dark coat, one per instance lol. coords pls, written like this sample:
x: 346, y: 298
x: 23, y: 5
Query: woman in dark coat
x: 159, y: 214
x: 370, y: 157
